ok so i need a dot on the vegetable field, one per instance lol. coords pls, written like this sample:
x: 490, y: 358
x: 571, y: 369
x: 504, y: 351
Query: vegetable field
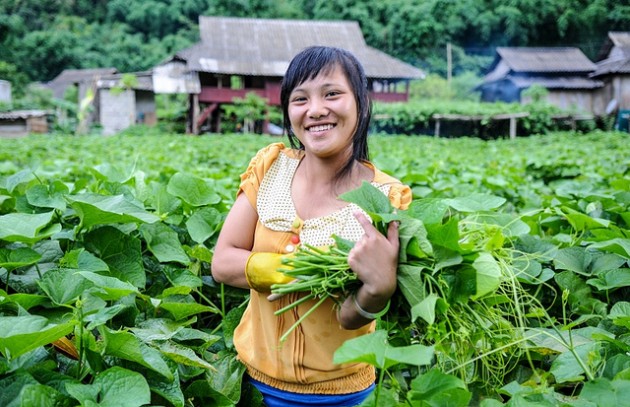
x: 514, y: 276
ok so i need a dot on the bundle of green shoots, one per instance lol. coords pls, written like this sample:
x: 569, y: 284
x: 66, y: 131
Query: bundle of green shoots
x: 324, y: 273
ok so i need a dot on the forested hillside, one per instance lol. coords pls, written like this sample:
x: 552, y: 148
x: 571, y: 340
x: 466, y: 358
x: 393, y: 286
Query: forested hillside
x: 40, y: 38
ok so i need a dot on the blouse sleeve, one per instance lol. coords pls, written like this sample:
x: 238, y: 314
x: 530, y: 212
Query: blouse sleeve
x: 400, y: 196
x: 256, y: 170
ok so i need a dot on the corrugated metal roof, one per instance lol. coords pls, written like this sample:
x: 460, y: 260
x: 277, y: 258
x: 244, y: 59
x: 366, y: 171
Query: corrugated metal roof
x: 22, y: 114
x: 546, y: 60
x: 144, y: 80
x: 556, y: 83
x: 248, y: 46
x: 82, y: 75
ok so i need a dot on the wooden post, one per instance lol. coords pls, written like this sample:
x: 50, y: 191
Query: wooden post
x: 512, y: 128
x: 195, y: 113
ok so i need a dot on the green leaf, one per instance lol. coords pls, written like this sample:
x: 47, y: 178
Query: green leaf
x: 39, y: 395
x: 112, y: 288
x: 124, y: 345
x: 20, y: 257
x: 446, y: 235
x: 374, y: 349
x: 425, y: 309
x: 22, y: 334
x: 48, y: 196
x: 182, y: 310
x: 81, y: 259
x: 26, y: 301
x: 192, y: 190
x: 184, y: 355
x: 64, y: 286
x: 369, y: 198
x: 576, y: 259
x: 437, y: 389
x: 94, y: 209
x: 476, y: 203
x: 618, y: 246
x: 115, y: 387
x: 566, y: 367
x: 409, y: 282
x: 122, y: 253
x: 429, y: 210
x: 604, y: 392
x: 164, y: 243
x: 203, y: 224
x: 27, y: 227
x: 620, y: 314
x: 611, y: 279
x: 488, y: 275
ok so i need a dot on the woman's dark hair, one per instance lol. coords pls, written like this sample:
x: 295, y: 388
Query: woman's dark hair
x: 307, y: 65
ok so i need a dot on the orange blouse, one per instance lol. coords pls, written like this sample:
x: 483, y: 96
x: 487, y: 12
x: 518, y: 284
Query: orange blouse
x: 303, y: 363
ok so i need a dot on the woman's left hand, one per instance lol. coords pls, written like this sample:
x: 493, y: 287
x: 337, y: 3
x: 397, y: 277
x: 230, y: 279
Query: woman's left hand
x: 374, y: 259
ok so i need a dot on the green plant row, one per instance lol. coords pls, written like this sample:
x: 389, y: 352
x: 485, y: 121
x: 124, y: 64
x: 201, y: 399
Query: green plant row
x: 485, y: 120
x: 514, y: 289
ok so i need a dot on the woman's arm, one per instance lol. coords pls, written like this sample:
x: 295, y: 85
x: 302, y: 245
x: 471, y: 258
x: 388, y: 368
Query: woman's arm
x: 234, y: 244
x: 374, y: 259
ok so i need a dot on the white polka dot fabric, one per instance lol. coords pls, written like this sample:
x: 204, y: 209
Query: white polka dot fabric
x: 276, y: 210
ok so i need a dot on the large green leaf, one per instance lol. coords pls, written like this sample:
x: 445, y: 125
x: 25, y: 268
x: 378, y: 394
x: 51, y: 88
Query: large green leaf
x: 374, y: 349
x: 567, y: 368
x: 164, y: 243
x: 619, y: 246
x: 115, y: 387
x: 95, y: 209
x: 125, y: 345
x: 121, y: 252
x: 184, y: 355
x: 21, y: 334
x: 489, y: 274
x: 64, y: 286
x: 19, y: 257
x: 192, y: 190
x: 437, y: 389
x: 605, y: 392
x: 111, y: 288
x: 203, y: 224
x: 476, y: 202
x: 48, y: 196
x: 182, y: 310
x: 369, y: 198
x: 27, y: 227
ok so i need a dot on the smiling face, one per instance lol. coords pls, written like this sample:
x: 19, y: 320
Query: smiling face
x: 323, y: 114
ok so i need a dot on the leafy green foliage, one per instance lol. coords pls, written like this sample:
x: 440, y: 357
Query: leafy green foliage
x: 513, y: 286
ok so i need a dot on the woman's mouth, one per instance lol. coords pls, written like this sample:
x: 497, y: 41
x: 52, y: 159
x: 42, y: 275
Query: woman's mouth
x: 320, y: 128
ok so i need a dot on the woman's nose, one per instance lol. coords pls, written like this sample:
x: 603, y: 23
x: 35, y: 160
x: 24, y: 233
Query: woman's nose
x: 317, y: 108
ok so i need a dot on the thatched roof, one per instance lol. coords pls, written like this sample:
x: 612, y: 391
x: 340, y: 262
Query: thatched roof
x: 264, y: 47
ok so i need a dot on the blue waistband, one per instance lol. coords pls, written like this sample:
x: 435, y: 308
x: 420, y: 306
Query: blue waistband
x: 279, y: 398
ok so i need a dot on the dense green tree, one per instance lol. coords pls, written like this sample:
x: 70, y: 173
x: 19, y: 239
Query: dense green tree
x: 43, y: 37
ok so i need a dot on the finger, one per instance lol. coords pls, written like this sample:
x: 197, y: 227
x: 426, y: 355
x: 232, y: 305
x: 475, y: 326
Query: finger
x: 367, y: 226
x: 392, y: 233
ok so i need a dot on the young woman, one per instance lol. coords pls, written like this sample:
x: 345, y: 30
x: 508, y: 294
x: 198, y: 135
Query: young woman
x: 289, y: 195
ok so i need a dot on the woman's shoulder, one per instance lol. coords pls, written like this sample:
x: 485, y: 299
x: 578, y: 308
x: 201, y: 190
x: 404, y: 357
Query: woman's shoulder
x: 273, y: 150
x: 400, y: 195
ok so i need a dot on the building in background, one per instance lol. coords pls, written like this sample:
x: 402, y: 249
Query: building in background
x: 564, y: 71
x: 240, y: 55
